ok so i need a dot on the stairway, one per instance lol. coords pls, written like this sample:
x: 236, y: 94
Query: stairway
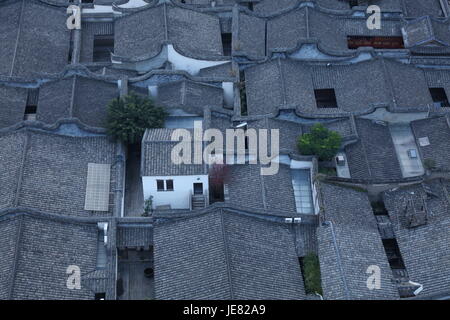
x: 198, y: 201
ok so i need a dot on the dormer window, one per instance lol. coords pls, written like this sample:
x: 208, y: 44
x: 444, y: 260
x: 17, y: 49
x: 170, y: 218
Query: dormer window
x: 103, y: 46
x: 325, y: 98
x: 439, y: 97
x: 31, y: 107
x: 226, y: 44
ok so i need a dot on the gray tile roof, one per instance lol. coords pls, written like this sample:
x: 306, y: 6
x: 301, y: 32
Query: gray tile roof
x: 349, y: 245
x: 273, y: 194
x: 133, y: 235
x: 140, y: 35
x: 76, y: 97
x: 156, y: 156
x: 425, y: 248
x: 438, y: 132
x: 225, y: 255
x: 82, y: 97
x: 192, y: 97
x: 37, y: 252
x: 32, y: 44
x: 400, y: 87
x: 12, y: 105
x: 373, y: 156
x: 48, y: 172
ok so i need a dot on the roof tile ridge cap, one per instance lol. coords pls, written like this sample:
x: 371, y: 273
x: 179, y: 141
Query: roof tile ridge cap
x: 389, y: 81
x: 19, y: 31
x: 307, y: 22
x: 22, y: 165
x: 404, y: 9
x: 363, y: 145
x: 72, y: 96
x: 227, y: 253
x: 166, y: 22
x: 282, y: 82
x: 16, y: 257
x: 235, y: 26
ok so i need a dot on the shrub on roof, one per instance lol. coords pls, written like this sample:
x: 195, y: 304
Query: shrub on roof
x: 311, y: 270
x: 321, y: 142
x: 129, y: 116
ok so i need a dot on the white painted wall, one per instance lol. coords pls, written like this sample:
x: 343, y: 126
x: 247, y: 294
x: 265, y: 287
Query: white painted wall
x: 179, y: 198
x: 228, y: 93
x: 187, y: 64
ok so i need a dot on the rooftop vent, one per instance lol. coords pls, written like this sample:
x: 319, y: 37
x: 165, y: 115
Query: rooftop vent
x: 412, y: 153
x: 423, y: 142
x: 340, y: 160
x: 97, y: 188
x: 416, y: 212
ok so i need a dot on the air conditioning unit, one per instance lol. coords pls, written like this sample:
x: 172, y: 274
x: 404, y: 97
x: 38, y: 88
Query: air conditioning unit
x: 424, y: 141
x: 340, y: 160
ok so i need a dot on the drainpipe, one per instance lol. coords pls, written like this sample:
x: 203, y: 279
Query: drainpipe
x: 76, y: 33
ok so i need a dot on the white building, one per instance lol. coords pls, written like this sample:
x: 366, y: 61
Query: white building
x: 173, y: 186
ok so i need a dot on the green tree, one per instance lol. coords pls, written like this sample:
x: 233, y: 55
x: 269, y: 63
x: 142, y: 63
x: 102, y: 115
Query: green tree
x: 129, y: 116
x: 321, y: 142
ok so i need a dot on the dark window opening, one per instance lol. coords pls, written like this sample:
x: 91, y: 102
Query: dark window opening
x: 31, y: 106
x: 354, y: 42
x: 379, y: 209
x: 393, y: 254
x: 353, y: 3
x: 30, y: 113
x: 103, y: 46
x: 169, y: 185
x: 100, y: 296
x: 325, y: 98
x: 439, y: 97
x: 250, y: 6
x: 101, y: 250
x: 226, y: 44
x: 198, y: 188
x: 160, y: 185
x: 243, y: 94
x: 87, y: 1
x: 302, y: 268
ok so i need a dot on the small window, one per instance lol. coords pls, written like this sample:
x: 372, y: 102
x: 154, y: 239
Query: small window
x: 353, y: 3
x: 325, y: 98
x: 250, y: 6
x: 31, y: 106
x: 226, y: 44
x: 100, y: 296
x: 160, y: 185
x: 354, y: 42
x: 103, y: 46
x: 439, y: 97
x: 169, y: 185
x: 393, y: 253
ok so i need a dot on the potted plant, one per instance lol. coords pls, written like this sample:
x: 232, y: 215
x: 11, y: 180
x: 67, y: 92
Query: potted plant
x: 148, y: 207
